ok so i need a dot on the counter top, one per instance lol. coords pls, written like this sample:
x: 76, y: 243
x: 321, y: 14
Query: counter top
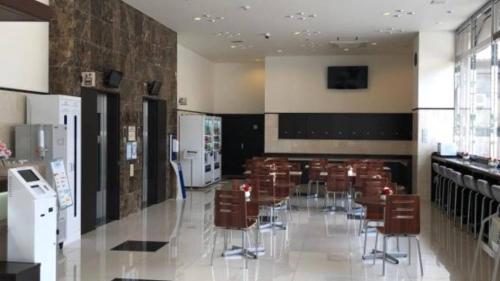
x: 475, y: 167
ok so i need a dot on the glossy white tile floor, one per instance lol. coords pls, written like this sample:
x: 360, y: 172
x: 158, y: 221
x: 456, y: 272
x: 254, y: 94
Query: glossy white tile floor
x: 317, y: 246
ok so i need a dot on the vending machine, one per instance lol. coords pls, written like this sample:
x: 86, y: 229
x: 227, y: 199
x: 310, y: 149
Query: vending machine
x: 217, y: 140
x: 196, y: 148
x: 63, y: 110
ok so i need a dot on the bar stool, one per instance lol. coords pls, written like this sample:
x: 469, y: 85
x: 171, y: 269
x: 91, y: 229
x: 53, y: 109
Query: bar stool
x: 437, y: 182
x: 449, y: 174
x: 444, y: 185
x: 495, y: 191
x: 470, y: 184
x: 484, y: 188
x: 458, y: 186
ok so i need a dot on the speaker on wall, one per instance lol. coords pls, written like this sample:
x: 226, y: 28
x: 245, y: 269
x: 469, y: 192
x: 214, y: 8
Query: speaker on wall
x: 154, y: 87
x: 113, y: 78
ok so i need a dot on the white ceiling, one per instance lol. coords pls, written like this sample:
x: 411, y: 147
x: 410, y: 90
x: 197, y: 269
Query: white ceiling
x: 334, y: 18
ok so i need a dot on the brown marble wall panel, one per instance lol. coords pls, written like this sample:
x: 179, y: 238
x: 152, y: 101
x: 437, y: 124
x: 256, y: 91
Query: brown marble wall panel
x: 97, y: 35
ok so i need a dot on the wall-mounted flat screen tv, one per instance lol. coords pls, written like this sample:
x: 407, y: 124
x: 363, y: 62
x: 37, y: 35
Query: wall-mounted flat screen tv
x: 347, y: 77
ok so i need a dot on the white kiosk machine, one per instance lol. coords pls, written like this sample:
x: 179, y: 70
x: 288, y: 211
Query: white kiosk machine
x: 32, y: 221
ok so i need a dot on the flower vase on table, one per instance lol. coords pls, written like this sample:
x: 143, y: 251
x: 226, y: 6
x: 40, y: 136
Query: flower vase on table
x: 247, y: 189
x: 387, y: 191
x: 493, y: 163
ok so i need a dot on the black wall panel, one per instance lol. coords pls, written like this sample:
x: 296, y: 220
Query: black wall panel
x: 346, y: 126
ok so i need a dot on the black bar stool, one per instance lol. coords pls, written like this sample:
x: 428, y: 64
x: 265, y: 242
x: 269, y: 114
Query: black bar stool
x: 437, y: 183
x: 470, y: 184
x: 485, y: 190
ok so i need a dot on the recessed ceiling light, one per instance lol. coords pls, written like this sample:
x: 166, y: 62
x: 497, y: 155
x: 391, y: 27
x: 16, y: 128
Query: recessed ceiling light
x: 346, y: 50
x: 387, y: 14
x: 301, y: 16
x: 197, y: 18
x: 438, y: 2
x: 232, y: 46
x: 246, y: 8
x: 411, y: 13
x: 207, y: 16
x: 297, y: 33
x: 449, y: 12
x: 279, y: 51
x: 374, y: 43
x: 397, y: 15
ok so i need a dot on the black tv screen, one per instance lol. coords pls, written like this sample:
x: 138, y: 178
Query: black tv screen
x: 347, y: 77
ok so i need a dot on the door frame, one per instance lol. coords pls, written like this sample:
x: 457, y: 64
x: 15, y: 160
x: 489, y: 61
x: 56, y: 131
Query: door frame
x: 157, y: 137
x: 89, y: 157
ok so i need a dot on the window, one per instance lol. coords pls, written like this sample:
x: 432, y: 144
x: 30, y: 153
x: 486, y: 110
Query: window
x: 476, y: 85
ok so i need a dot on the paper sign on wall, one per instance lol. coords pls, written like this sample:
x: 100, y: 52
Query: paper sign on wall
x: 131, y: 133
x: 61, y: 184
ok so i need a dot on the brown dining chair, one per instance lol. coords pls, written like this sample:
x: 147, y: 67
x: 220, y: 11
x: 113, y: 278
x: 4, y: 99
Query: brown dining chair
x: 233, y: 212
x: 315, y: 177
x: 401, y: 219
x: 337, y: 184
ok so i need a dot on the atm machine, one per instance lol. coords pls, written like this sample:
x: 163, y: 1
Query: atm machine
x: 32, y: 221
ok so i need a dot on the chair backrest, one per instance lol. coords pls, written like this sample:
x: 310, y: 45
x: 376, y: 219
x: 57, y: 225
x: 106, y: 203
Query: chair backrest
x: 495, y: 191
x: 457, y: 178
x: 402, y: 215
x: 318, y: 162
x: 484, y: 188
x: 314, y: 172
x: 337, y: 180
x: 469, y: 182
x: 435, y: 168
x: 230, y: 209
x: 373, y: 187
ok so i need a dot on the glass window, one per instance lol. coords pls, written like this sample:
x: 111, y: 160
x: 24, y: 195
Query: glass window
x: 481, y: 103
x: 482, y: 30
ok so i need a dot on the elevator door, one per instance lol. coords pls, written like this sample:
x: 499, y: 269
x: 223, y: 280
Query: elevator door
x: 102, y: 161
x: 155, y: 151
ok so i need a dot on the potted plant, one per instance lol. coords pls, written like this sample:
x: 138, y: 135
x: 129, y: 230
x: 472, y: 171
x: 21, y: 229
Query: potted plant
x: 492, y: 162
x: 466, y: 156
x: 5, y: 152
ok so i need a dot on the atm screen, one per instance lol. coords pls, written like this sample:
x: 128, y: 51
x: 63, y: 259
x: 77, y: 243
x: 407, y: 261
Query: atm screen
x: 28, y: 175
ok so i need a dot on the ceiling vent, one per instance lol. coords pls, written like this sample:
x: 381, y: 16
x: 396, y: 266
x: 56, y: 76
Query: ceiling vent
x: 438, y: 2
x: 349, y: 43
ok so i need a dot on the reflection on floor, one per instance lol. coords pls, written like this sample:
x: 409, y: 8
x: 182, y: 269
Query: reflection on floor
x: 316, y: 246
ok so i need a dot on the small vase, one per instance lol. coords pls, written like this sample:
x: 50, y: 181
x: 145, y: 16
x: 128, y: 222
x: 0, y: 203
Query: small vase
x: 247, y: 194
x: 383, y: 197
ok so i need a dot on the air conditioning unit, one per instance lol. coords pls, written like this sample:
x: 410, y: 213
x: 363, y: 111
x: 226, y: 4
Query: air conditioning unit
x: 349, y: 43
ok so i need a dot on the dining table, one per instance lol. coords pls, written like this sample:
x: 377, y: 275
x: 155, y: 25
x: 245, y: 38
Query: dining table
x: 378, y: 202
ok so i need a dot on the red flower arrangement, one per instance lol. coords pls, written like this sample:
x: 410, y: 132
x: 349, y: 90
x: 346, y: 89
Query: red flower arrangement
x: 246, y: 187
x: 387, y: 191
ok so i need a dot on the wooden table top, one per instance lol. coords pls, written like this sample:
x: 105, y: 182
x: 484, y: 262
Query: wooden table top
x: 370, y: 201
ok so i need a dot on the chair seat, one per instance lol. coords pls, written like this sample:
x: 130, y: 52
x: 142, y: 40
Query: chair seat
x: 270, y: 200
x: 381, y: 229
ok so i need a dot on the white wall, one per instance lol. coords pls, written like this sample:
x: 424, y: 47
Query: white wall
x: 299, y: 84
x: 433, y: 114
x: 24, y: 56
x: 436, y: 52
x: 195, y: 80
x: 239, y: 88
